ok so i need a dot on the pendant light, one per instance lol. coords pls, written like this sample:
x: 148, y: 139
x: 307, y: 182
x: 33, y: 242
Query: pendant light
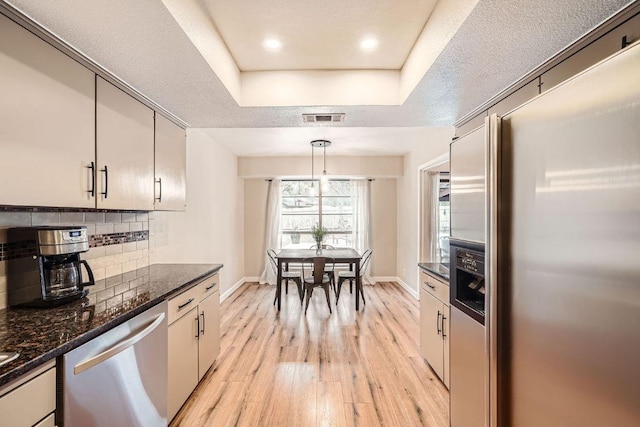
x: 320, y: 143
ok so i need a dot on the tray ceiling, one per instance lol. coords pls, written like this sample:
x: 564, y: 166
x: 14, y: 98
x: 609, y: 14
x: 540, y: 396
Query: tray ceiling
x: 319, y: 35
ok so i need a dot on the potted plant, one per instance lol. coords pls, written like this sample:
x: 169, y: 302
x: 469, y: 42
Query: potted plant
x: 318, y: 234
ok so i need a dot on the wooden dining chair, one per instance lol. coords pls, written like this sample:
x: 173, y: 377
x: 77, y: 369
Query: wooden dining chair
x: 351, y: 275
x: 328, y: 269
x: 295, y: 276
x: 313, y: 272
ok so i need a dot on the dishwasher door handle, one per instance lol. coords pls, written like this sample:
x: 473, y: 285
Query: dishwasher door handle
x: 121, y: 346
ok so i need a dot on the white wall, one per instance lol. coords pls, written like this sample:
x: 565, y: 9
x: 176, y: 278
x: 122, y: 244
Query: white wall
x: 300, y: 166
x: 211, y: 230
x: 435, y: 144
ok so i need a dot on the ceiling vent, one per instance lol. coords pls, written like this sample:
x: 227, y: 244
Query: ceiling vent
x: 323, y: 118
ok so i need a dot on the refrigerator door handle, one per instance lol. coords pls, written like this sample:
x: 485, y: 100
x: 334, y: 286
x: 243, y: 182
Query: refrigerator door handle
x: 119, y: 347
x: 493, y: 165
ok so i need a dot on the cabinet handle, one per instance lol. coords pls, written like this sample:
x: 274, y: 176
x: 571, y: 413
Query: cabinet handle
x: 202, y: 330
x: 93, y: 179
x: 197, y: 327
x: 159, y: 198
x: 106, y: 181
x: 209, y: 287
x: 443, y: 319
x: 438, y: 322
x: 183, y: 305
x: 430, y: 285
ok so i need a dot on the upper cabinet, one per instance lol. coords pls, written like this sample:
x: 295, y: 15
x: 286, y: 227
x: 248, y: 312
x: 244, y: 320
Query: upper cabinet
x: 70, y: 139
x: 517, y: 98
x: 170, y: 166
x: 610, y: 43
x: 124, y: 150
x: 472, y: 124
x: 47, y: 123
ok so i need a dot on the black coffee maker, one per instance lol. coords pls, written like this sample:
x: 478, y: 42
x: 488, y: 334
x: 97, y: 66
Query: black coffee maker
x: 47, y: 270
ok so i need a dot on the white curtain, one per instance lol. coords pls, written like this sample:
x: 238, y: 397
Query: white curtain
x: 431, y: 224
x: 361, y: 203
x: 273, y: 229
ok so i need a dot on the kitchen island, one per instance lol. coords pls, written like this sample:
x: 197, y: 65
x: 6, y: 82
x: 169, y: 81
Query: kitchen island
x: 42, y: 334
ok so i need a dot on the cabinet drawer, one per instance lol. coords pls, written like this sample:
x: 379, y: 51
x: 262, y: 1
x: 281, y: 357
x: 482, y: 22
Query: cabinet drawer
x: 30, y: 402
x: 180, y: 305
x: 435, y: 287
x: 207, y: 287
x: 50, y: 421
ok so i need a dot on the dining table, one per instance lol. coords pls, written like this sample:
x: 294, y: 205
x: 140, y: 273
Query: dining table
x: 340, y: 255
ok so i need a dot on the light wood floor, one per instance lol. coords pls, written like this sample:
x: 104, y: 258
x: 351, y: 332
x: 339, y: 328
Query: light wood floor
x: 343, y: 369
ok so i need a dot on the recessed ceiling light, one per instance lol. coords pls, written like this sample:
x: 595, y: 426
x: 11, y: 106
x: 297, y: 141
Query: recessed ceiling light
x: 369, y: 43
x: 272, y: 44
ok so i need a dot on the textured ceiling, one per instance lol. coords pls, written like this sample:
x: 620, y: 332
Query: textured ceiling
x: 345, y: 141
x: 319, y: 35
x: 140, y: 42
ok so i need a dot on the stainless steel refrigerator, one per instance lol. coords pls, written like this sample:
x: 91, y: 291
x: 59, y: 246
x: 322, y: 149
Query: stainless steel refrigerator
x: 467, y: 354
x: 563, y: 253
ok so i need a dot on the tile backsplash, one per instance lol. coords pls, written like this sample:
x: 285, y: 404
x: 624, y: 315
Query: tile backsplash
x: 118, y: 241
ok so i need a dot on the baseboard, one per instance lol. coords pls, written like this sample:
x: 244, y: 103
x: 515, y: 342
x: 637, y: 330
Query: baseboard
x: 252, y: 279
x: 407, y: 288
x: 234, y: 288
x: 384, y: 279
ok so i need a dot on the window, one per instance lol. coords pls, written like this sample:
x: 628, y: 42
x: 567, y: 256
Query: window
x: 444, y: 220
x: 307, y: 203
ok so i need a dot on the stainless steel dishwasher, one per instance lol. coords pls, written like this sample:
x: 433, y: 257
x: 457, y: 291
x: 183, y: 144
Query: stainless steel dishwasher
x: 120, y: 377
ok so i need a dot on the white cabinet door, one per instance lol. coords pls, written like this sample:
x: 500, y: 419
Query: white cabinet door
x: 517, y: 98
x: 47, y: 123
x: 183, y: 361
x: 445, y: 341
x: 124, y: 150
x: 431, y: 312
x: 28, y: 403
x: 606, y: 45
x: 50, y: 421
x: 171, y: 166
x: 209, y: 345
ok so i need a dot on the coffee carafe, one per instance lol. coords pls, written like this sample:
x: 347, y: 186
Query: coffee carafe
x: 65, y: 276
x: 54, y: 275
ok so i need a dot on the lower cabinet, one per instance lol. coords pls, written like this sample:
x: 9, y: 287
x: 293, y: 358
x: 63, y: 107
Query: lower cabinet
x: 183, y: 361
x: 434, y: 326
x: 209, y: 344
x: 194, y: 340
x: 30, y: 400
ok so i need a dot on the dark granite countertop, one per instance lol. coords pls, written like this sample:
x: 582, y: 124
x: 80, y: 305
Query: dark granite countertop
x: 438, y: 269
x: 41, y: 334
